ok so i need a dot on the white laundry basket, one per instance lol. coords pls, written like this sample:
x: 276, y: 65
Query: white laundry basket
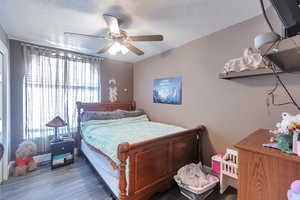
x: 193, y: 193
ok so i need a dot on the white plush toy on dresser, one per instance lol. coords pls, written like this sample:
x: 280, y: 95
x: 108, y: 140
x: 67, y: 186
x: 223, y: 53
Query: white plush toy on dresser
x: 287, y: 119
x: 288, y: 131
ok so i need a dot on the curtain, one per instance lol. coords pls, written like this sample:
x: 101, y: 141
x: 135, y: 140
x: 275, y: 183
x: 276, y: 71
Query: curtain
x: 53, y: 82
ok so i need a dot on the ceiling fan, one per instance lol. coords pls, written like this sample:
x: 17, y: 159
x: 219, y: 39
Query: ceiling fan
x: 120, y: 38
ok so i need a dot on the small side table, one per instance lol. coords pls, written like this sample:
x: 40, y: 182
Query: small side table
x: 62, y: 152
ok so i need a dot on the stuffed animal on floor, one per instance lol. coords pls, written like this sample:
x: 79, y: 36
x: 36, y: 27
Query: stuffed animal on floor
x: 24, y: 158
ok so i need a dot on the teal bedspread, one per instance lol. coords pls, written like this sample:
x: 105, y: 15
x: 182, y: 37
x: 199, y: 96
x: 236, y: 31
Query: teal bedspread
x: 106, y: 135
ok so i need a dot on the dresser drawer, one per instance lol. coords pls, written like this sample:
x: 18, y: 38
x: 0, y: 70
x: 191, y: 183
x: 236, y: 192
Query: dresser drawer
x: 62, y: 147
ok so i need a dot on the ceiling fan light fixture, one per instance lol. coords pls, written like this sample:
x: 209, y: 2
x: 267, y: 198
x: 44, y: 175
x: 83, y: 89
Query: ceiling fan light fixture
x: 124, y: 50
x: 115, y: 48
x: 112, y: 52
x: 120, y: 39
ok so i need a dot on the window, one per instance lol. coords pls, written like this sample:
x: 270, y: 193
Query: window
x: 52, y: 85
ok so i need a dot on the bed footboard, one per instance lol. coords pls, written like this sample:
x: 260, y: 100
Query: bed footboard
x: 153, y: 163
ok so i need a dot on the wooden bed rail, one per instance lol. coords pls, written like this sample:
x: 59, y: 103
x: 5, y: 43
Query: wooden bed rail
x: 139, y: 156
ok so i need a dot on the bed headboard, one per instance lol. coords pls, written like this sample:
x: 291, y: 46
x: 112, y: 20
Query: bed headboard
x: 104, y: 107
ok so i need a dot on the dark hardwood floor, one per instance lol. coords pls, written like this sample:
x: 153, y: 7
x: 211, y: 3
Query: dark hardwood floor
x: 74, y: 182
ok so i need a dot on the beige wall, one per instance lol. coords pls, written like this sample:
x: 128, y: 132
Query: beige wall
x: 121, y: 71
x: 230, y: 109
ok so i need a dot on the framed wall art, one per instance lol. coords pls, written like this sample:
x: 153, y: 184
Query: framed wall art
x: 167, y: 90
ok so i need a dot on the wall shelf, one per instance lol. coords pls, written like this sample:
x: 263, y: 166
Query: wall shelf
x: 248, y: 73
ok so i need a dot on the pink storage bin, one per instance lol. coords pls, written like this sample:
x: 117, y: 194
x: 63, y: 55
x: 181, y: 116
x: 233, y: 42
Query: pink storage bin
x: 216, y: 163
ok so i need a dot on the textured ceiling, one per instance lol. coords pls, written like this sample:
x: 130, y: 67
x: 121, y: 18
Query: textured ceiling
x: 180, y: 21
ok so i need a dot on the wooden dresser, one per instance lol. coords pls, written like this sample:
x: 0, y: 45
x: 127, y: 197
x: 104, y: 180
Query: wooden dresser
x: 264, y: 173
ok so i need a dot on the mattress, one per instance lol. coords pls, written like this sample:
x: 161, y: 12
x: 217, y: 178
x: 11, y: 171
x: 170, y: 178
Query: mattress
x: 103, y: 167
x: 106, y: 135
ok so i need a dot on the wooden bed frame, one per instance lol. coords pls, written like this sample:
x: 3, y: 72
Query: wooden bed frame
x: 154, y: 162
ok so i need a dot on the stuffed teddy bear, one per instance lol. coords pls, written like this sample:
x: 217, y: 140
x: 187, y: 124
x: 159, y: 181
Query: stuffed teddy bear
x: 24, y: 158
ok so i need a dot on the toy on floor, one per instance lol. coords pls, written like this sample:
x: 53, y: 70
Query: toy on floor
x: 216, y: 162
x: 24, y: 158
x: 229, y: 173
x: 294, y: 192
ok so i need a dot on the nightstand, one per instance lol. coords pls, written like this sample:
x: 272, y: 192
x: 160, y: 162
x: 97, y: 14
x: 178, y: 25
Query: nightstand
x: 62, y: 152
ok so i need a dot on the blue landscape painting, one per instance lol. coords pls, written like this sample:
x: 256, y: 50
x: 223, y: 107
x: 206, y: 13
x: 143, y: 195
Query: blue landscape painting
x: 167, y: 90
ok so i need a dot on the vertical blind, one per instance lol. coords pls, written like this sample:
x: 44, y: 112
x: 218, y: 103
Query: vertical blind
x: 53, y: 82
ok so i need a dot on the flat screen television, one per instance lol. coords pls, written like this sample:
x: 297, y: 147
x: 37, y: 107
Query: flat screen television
x: 289, y: 13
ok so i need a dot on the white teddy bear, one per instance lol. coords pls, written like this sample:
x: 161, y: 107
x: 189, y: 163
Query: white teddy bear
x: 283, y: 126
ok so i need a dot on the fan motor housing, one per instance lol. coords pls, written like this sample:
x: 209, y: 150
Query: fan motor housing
x: 119, y: 37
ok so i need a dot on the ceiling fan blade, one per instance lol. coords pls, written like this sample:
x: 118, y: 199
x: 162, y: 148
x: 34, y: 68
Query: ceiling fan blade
x: 85, y: 35
x: 133, y: 49
x: 146, y: 38
x: 104, y: 49
x: 113, y: 23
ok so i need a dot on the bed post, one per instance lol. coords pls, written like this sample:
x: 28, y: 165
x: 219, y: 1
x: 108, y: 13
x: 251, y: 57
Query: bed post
x: 201, y: 130
x: 78, y: 135
x: 133, y: 105
x: 123, y: 150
